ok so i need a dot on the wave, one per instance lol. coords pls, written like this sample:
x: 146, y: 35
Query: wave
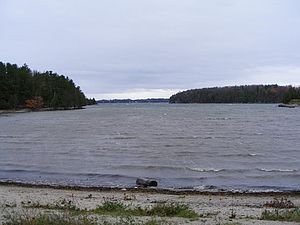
x: 214, y: 170
x: 8, y: 136
x: 172, y: 145
x: 149, y: 167
x: 205, y: 169
x: 219, y: 118
x: 19, y: 171
x: 184, y: 137
x: 54, y: 173
x: 11, y: 164
x: 277, y: 170
x: 240, y: 155
x: 123, y: 138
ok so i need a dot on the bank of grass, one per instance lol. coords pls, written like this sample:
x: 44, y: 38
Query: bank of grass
x: 120, y: 209
x: 159, y: 210
x: 288, y: 215
x: 46, y: 219
x: 67, y: 219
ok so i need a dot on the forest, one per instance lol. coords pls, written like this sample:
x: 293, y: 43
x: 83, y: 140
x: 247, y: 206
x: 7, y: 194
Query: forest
x: 20, y: 87
x: 239, y: 94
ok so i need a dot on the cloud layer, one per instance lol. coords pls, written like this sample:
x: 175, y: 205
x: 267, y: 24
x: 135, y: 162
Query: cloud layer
x: 140, y: 48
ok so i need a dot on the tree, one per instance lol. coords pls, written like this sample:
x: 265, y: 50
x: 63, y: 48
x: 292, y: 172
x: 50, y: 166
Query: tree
x: 238, y: 94
x: 34, y: 103
x: 22, y: 87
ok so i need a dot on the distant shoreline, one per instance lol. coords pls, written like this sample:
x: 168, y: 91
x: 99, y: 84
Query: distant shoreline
x: 149, y: 100
x: 5, y: 111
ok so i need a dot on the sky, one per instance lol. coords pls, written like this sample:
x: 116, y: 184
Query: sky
x: 154, y: 48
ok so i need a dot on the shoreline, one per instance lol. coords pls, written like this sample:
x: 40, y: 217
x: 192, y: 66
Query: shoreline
x: 25, y: 110
x: 212, y: 208
x: 149, y: 190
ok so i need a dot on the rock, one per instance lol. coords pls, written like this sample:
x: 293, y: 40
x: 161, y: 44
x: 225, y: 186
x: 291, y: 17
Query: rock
x: 146, y: 182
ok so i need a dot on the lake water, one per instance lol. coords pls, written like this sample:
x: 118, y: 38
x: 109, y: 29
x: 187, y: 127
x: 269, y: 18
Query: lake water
x: 199, y: 146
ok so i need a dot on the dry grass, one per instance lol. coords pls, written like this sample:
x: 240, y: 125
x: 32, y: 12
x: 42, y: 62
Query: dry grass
x: 283, y: 203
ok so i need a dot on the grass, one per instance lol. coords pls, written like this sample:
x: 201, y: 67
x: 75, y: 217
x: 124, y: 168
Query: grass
x: 291, y: 215
x: 66, y: 212
x: 67, y: 219
x: 120, y: 209
x: 283, y: 203
x: 170, y: 210
x: 46, y: 219
x: 160, y: 210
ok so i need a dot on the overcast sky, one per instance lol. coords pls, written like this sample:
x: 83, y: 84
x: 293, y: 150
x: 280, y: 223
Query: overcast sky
x: 154, y: 48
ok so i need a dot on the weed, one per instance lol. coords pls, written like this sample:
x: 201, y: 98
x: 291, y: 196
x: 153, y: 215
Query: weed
x: 171, y: 210
x: 160, y: 210
x: 59, y: 205
x: 232, y: 214
x: 283, y: 203
x: 10, y: 205
x: 67, y: 219
x: 46, y: 219
x: 113, y: 206
x: 120, y: 210
x: 291, y: 215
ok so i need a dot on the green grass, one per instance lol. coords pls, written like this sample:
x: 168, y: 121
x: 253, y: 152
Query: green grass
x: 67, y: 213
x: 120, y: 209
x: 170, y: 210
x: 292, y: 215
x: 46, y: 219
x: 160, y: 210
x: 67, y: 219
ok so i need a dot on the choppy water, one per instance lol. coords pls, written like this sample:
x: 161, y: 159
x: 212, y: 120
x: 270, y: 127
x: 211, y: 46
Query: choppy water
x: 207, y: 146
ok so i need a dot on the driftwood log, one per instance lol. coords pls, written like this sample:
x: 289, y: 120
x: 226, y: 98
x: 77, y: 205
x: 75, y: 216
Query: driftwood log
x: 146, y: 182
x: 286, y: 106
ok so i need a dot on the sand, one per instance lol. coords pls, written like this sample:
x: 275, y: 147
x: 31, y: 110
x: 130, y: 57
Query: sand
x: 216, y: 208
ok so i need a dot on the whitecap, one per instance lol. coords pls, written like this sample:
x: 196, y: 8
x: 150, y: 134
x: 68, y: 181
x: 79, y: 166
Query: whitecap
x: 276, y: 170
x: 205, y: 169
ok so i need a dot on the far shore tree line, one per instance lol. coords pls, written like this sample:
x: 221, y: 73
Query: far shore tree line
x: 239, y: 94
x: 20, y: 87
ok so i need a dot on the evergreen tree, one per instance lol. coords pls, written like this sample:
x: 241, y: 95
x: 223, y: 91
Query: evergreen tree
x: 238, y: 94
x: 21, y: 87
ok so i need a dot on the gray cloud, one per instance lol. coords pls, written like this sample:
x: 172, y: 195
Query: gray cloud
x: 116, y: 46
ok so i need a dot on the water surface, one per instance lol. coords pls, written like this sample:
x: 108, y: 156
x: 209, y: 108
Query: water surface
x: 199, y: 146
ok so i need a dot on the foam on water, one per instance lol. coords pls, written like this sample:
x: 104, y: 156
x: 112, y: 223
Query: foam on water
x: 277, y: 170
x: 206, y: 169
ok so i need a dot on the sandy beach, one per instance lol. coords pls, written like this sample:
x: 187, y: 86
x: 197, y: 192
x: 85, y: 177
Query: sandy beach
x: 216, y: 208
